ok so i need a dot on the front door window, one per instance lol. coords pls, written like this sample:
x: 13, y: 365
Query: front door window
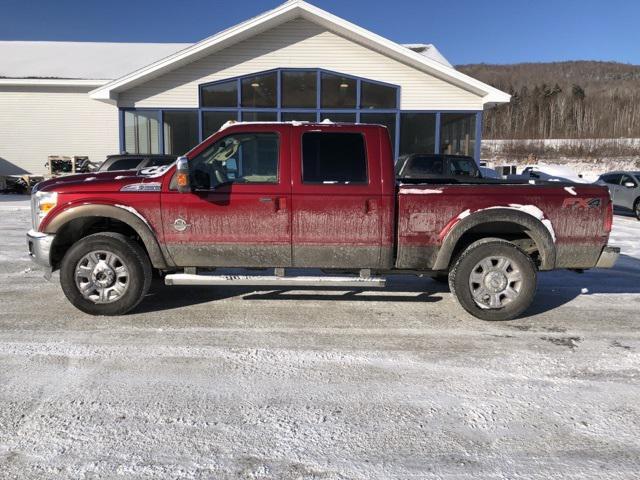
x: 239, y: 158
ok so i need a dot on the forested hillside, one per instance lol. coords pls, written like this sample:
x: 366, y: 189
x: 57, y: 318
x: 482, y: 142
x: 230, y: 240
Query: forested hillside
x: 562, y: 100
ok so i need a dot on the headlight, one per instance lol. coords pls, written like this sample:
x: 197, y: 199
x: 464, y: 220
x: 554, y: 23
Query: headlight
x: 41, y: 204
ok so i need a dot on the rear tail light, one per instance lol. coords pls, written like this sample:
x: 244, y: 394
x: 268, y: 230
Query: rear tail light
x: 608, y: 217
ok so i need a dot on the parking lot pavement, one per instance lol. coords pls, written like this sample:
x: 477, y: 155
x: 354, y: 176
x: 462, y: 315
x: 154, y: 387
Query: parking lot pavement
x: 237, y: 383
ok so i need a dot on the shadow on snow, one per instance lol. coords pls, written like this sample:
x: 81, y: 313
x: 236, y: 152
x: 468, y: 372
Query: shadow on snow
x: 554, y: 290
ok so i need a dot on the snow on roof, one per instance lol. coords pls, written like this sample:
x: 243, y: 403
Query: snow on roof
x: 79, y: 60
x: 428, y: 50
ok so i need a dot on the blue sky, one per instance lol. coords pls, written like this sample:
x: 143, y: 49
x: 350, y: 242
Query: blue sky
x: 466, y: 31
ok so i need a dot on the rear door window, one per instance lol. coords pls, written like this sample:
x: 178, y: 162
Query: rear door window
x: 334, y: 158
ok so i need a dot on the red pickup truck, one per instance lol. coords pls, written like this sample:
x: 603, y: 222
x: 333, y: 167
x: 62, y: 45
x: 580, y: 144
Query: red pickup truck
x: 309, y: 196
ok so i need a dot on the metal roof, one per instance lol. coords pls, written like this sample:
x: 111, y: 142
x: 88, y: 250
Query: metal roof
x: 79, y: 60
x: 103, y: 61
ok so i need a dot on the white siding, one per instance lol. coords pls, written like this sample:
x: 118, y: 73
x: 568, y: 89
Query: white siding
x: 39, y: 121
x: 300, y: 44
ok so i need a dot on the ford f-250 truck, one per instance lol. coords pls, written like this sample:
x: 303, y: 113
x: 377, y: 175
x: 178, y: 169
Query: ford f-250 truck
x: 309, y: 196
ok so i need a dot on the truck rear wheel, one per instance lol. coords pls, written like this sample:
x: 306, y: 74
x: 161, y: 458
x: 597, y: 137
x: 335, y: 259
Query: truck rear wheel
x: 493, y: 280
x: 105, y: 274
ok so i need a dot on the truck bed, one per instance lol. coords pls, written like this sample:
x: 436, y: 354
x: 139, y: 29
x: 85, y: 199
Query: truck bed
x: 429, y: 213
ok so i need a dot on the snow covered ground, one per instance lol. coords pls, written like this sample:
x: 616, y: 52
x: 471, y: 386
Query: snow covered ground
x: 626, y: 235
x: 587, y: 157
x: 305, y: 384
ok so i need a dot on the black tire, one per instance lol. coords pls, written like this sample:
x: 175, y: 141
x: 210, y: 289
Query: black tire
x: 636, y: 208
x: 460, y: 277
x: 133, y: 257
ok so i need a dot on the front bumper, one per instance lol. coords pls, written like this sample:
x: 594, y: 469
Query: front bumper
x: 608, y: 257
x: 40, y: 249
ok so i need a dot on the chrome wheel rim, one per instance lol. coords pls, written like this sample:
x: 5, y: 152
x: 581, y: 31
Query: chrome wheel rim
x: 102, y: 277
x: 495, y: 282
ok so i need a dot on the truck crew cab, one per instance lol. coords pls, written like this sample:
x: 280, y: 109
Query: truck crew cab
x: 309, y: 196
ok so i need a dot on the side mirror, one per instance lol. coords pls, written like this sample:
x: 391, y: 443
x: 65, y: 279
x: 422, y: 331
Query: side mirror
x: 184, y: 184
x: 630, y: 185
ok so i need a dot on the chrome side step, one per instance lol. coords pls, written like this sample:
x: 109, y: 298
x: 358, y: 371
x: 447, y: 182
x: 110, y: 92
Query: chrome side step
x: 274, y: 281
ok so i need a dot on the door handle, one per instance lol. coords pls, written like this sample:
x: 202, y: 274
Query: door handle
x: 279, y: 204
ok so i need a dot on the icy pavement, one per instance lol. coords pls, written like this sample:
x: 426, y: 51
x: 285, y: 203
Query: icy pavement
x: 306, y: 384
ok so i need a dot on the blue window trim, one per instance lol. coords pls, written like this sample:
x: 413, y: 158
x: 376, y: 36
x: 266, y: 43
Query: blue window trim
x: 438, y: 131
x: 318, y: 110
x: 201, y: 111
x: 121, y: 129
x: 479, y: 125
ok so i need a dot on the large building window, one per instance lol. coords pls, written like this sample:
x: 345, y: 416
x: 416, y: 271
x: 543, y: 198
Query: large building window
x: 338, y: 91
x: 458, y: 133
x: 212, y: 121
x: 298, y: 117
x: 259, y: 116
x: 289, y: 90
x: 222, y: 94
x: 299, y: 89
x: 306, y: 95
x: 259, y: 91
x: 142, y: 131
x: 417, y: 133
x: 386, y: 119
x: 338, y: 117
x: 375, y: 95
x: 180, y: 131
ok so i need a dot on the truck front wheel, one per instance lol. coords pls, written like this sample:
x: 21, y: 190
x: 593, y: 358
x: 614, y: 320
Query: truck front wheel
x: 105, y: 274
x: 494, y: 280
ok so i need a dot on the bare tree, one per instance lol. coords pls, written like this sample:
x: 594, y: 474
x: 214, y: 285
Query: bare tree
x: 562, y: 100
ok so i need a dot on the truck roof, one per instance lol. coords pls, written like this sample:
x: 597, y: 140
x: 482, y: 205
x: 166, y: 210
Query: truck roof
x: 296, y: 123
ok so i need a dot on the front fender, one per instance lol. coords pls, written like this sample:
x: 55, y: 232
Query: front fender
x: 124, y: 214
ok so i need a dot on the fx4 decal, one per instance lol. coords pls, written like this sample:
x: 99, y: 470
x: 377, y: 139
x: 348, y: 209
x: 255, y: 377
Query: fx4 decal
x: 581, y: 203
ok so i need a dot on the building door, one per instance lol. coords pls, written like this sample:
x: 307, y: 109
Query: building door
x: 336, y: 198
x: 238, y: 214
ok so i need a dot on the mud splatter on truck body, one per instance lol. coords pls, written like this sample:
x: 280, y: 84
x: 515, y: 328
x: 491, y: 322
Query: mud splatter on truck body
x: 321, y: 196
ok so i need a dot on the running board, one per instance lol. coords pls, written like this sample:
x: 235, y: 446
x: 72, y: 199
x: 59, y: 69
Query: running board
x: 273, y: 281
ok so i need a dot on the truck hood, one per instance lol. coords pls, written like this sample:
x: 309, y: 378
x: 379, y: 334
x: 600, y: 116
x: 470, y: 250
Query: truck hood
x: 102, y: 181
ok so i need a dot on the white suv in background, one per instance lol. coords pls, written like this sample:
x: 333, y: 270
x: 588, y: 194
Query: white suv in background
x: 625, y: 190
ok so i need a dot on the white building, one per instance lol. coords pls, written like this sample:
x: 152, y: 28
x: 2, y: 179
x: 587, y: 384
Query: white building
x: 295, y: 62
